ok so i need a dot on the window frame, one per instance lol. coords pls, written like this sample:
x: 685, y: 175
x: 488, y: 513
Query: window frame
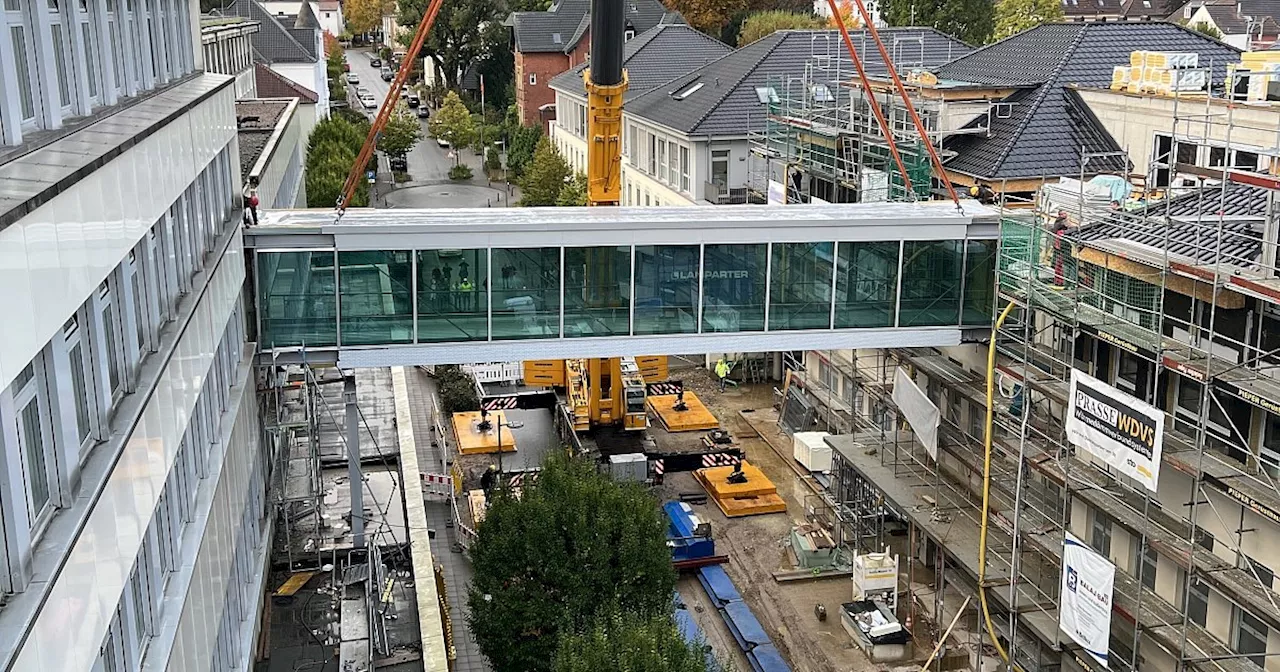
x: 75, y: 335
x: 35, y: 390
x: 19, y: 20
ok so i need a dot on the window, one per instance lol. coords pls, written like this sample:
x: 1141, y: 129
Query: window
x: 1198, y: 602
x: 61, y: 64
x: 662, y: 159
x: 1100, y: 534
x: 629, y: 33
x: 688, y: 91
x: 684, y: 169
x: 24, y: 59
x: 533, y: 78
x: 1264, y: 574
x: 80, y: 378
x: 720, y: 168
x: 766, y: 94
x: 653, y: 154
x: 110, y: 329
x: 1147, y: 563
x: 35, y: 439
x: 1251, y: 636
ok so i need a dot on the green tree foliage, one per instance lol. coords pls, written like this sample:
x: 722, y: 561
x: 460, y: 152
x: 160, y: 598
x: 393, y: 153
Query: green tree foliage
x: 497, y: 66
x: 574, y: 547
x: 457, y: 38
x: 544, y: 177
x: 331, y: 150
x: 492, y: 160
x: 457, y: 389
x: 762, y: 24
x: 363, y: 16
x: 573, y: 192
x: 969, y: 20
x: 626, y: 642
x: 1015, y: 16
x: 401, y: 133
x: 1207, y: 29
x: 521, y: 144
x: 709, y: 16
x: 728, y: 32
x: 453, y: 124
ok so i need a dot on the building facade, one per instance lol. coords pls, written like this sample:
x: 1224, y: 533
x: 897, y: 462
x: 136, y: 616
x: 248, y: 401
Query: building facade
x: 228, y: 50
x: 132, y: 481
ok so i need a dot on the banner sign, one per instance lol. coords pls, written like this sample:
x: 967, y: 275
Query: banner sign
x: 920, y: 412
x: 777, y: 193
x: 1088, y: 580
x: 1121, y: 430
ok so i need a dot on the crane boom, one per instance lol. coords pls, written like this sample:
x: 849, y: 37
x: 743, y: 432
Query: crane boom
x: 388, y: 105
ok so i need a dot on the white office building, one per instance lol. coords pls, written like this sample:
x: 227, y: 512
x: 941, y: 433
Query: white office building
x: 132, y: 526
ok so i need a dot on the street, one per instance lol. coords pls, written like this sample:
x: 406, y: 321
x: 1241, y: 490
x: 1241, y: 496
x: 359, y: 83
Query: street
x: 429, y: 185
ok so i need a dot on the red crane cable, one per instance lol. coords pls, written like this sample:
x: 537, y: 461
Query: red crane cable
x: 388, y: 104
x: 902, y: 90
x: 866, y: 85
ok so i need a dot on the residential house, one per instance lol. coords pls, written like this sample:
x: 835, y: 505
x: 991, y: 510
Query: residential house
x: 327, y: 12
x: 548, y: 43
x: 1249, y: 25
x: 273, y: 147
x: 292, y: 48
x: 273, y: 85
x: 228, y: 49
x: 1093, y: 10
x: 688, y: 139
x: 648, y: 63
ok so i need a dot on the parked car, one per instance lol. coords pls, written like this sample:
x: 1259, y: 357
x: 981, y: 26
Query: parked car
x: 387, y: 74
x: 346, y: 67
x: 424, y: 112
x: 413, y: 100
x: 442, y: 142
x: 375, y: 62
x: 400, y: 164
x: 353, y: 78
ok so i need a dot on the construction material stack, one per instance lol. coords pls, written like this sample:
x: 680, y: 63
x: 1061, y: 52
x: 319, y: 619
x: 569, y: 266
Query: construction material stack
x: 743, y: 625
x: 1160, y: 72
x: 688, y: 536
x: 810, y: 449
x: 1252, y: 78
x: 741, y: 490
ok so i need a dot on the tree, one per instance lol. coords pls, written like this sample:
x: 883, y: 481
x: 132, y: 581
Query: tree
x: 544, y: 177
x: 1207, y: 29
x: 968, y: 20
x: 573, y: 548
x: 849, y: 13
x: 401, y: 133
x: 1015, y: 16
x: 573, y: 192
x: 457, y: 389
x: 331, y: 150
x: 762, y: 24
x: 457, y: 38
x: 521, y: 144
x: 708, y: 16
x: 498, y: 67
x: 452, y: 123
x: 632, y: 643
x: 363, y: 16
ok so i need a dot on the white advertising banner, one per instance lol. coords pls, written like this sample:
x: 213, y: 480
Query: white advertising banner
x: 777, y: 193
x: 919, y: 411
x: 1122, y: 430
x: 1085, y: 607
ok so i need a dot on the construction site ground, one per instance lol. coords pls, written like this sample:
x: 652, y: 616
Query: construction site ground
x: 757, y: 547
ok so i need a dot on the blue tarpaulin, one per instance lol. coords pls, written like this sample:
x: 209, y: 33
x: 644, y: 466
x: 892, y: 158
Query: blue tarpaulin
x: 744, y: 626
x: 765, y: 658
x: 718, y: 586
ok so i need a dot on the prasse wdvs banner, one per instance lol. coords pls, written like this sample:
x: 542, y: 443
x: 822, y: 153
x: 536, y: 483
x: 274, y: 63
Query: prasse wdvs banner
x: 1121, y: 430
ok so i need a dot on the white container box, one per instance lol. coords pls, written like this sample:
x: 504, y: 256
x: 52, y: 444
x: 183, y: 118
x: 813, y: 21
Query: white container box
x: 810, y: 450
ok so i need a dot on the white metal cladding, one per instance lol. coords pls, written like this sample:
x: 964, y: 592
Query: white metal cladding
x: 548, y: 227
x: 52, y: 259
x: 620, y: 346
x: 89, y: 586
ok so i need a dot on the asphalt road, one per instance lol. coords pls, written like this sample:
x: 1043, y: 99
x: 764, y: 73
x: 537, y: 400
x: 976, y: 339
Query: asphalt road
x: 429, y: 164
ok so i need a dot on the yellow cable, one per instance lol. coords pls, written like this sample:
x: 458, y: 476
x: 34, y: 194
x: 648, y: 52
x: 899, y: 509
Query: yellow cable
x: 986, y: 484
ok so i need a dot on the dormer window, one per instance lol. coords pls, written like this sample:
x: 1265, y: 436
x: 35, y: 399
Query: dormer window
x: 630, y: 33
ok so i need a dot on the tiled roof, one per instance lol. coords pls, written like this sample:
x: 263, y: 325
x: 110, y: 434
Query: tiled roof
x: 727, y: 103
x: 271, y: 84
x: 275, y: 43
x: 1150, y: 9
x: 1092, y: 8
x: 306, y: 17
x: 1242, y: 210
x: 1046, y: 129
x: 1226, y: 19
x: 648, y: 58
x: 560, y: 28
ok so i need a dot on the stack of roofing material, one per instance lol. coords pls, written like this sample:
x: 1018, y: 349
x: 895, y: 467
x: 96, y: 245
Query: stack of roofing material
x: 1262, y: 69
x: 743, y: 625
x: 1163, y: 72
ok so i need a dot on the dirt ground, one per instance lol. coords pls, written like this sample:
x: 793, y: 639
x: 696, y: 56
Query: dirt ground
x: 756, y: 546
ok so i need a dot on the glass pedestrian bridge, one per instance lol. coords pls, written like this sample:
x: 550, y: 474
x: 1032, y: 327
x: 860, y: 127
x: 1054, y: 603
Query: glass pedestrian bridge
x: 403, y: 287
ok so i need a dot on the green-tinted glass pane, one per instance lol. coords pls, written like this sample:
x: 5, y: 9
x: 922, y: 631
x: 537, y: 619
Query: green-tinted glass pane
x: 666, y: 289
x: 931, y: 283
x: 597, y: 291
x: 526, y: 293
x: 866, y: 284
x: 979, y: 282
x: 376, y: 294
x: 297, y: 302
x: 800, y: 286
x: 453, y: 299
x: 733, y: 287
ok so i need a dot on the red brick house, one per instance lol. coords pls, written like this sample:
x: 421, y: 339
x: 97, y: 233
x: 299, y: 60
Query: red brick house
x: 551, y: 42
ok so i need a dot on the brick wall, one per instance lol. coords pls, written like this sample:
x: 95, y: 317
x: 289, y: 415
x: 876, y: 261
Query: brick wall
x: 543, y: 66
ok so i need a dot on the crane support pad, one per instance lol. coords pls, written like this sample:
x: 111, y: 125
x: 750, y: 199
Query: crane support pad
x: 695, y: 418
x: 474, y: 441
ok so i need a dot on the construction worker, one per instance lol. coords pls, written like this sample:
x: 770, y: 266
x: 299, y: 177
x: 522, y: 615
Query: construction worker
x: 467, y: 295
x: 487, y: 480
x: 1059, y: 254
x: 722, y: 372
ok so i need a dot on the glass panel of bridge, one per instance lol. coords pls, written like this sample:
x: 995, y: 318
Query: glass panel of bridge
x: 800, y: 286
x: 733, y: 287
x: 375, y: 294
x: 297, y: 300
x: 526, y: 293
x: 453, y: 299
x: 979, y: 282
x: 931, y: 274
x: 866, y: 284
x: 597, y: 291
x: 666, y: 289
